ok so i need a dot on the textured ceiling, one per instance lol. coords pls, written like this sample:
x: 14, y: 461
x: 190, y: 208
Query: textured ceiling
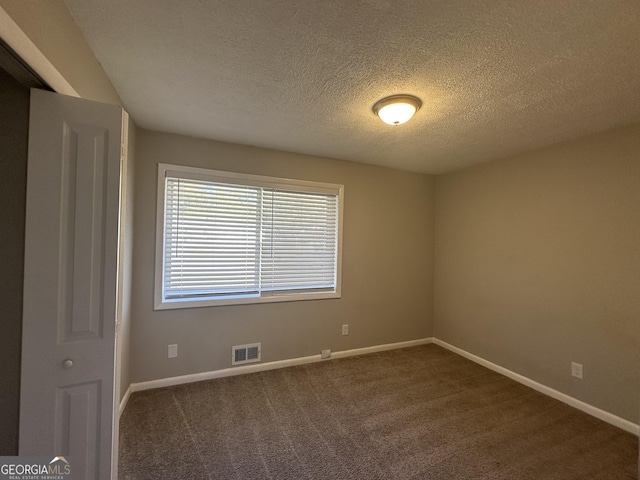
x: 496, y: 77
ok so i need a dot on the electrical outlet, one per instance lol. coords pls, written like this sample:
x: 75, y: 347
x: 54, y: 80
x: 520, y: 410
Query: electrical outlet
x: 325, y: 354
x: 173, y: 351
x: 576, y: 370
x: 345, y: 329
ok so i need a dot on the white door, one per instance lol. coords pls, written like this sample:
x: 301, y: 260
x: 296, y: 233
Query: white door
x: 68, y: 389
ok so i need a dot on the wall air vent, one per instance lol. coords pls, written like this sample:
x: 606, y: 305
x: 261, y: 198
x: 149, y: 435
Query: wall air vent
x: 241, y: 354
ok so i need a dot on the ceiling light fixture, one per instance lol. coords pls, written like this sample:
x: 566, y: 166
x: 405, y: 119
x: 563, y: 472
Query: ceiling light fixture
x: 397, y: 109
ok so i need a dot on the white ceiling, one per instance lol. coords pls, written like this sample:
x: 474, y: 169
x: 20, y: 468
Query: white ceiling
x: 496, y: 77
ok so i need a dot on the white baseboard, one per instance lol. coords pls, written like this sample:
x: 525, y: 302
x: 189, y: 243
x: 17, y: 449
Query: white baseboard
x: 381, y: 348
x: 580, y: 405
x: 125, y: 400
x: 261, y: 367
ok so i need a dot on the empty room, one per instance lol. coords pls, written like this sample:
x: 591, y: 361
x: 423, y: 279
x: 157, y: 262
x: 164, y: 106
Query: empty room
x: 320, y: 240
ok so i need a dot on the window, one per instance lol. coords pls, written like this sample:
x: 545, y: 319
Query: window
x: 227, y: 238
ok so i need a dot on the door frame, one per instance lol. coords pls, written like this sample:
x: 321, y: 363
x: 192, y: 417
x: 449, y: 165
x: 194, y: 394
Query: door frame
x: 31, y: 57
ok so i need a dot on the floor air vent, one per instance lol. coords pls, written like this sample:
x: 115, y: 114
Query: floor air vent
x: 245, y: 354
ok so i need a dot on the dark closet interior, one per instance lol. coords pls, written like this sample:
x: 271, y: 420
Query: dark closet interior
x: 15, y: 81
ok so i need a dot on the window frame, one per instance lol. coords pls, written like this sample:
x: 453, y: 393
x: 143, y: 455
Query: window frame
x: 235, y: 178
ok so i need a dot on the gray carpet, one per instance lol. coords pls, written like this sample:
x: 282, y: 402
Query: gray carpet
x: 415, y: 413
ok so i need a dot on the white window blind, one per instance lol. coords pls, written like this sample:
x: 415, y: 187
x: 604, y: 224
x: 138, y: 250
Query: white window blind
x: 246, y: 238
x: 299, y: 241
x: 211, y: 238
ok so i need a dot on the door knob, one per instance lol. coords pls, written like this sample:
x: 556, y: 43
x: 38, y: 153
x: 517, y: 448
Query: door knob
x: 68, y: 363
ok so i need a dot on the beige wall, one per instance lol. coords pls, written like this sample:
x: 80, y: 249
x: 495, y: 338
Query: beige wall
x: 386, y: 272
x: 537, y: 264
x: 52, y: 29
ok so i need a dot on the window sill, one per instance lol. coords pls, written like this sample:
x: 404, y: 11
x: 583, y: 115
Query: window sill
x: 243, y: 300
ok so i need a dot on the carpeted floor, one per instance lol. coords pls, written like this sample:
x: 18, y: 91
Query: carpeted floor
x: 415, y: 413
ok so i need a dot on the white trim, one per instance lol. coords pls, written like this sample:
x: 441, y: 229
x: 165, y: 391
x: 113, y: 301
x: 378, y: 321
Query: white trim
x: 261, y: 367
x: 242, y: 300
x: 563, y: 397
x: 207, y: 174
x: 381, y: 348
x: 13, y: 35
x: 125, y: 400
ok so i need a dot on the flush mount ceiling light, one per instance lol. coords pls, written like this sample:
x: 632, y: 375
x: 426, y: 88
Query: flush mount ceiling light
x: 397, y: 109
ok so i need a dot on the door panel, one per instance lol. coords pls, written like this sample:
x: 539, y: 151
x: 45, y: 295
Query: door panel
x: 71, y: 259
x: 77, y: 422
x: 83, y: 227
